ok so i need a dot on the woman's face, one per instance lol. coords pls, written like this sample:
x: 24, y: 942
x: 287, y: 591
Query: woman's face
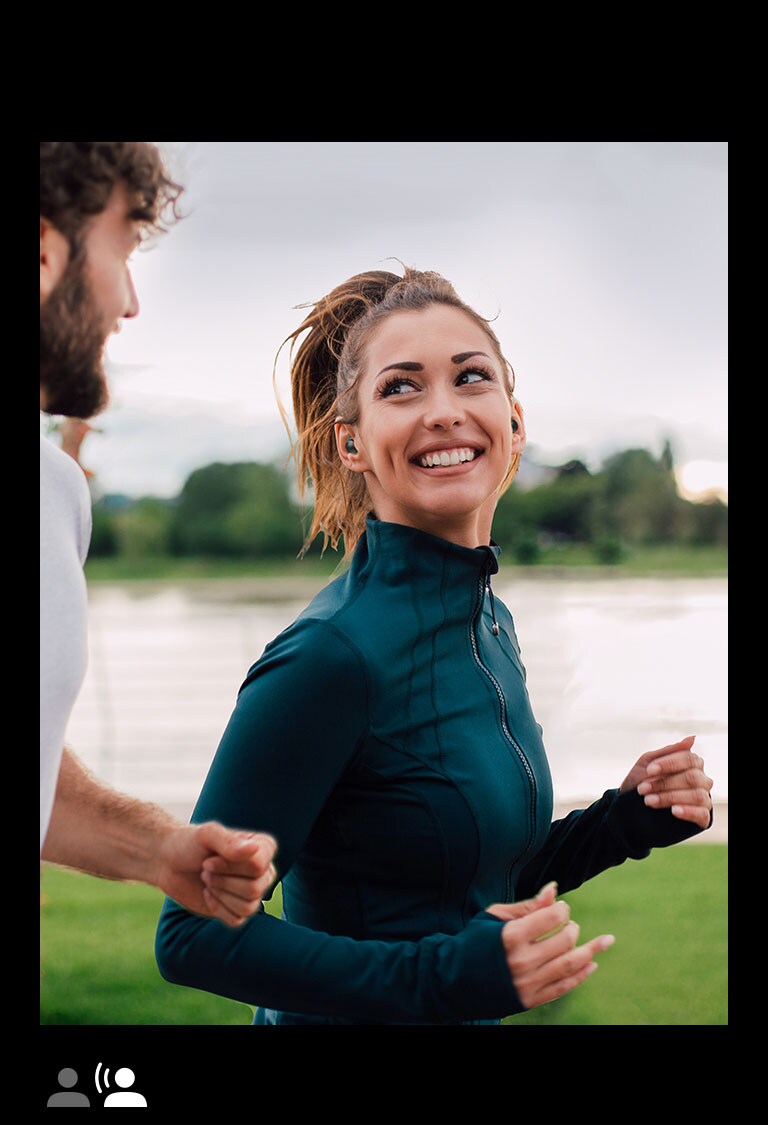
x: 434, y: 436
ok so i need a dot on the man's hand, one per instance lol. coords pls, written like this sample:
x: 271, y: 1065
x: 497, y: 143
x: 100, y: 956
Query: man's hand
x: 673, y: 778
x: 216, y: 871
x: 211, y: 870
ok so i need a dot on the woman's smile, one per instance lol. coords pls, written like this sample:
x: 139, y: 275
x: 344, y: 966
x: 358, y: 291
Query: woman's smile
x: 447, y: 457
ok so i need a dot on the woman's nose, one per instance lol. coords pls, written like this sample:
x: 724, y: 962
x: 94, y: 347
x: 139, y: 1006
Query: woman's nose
x: 443, y: 410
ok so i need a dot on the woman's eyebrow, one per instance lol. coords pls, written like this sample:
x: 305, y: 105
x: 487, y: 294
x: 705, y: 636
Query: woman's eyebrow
x: 466, y: 355
x: 406, y: 365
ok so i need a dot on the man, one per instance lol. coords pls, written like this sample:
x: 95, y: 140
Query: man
x: 98, y: 201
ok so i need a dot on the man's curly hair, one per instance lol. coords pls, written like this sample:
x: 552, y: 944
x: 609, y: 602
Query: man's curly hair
x: 77, y: 178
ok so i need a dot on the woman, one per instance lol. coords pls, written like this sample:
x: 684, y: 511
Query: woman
x: 386, y: 738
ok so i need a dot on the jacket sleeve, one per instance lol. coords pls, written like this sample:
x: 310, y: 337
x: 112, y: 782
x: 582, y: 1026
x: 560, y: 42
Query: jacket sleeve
x: 299, y: 719
x: 617, y: 827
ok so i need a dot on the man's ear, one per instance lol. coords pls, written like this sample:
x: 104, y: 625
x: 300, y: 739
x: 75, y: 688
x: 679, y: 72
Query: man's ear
x: 54, y: 255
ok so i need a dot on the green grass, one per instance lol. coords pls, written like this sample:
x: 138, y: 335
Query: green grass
x: 172, y: 569
x: 667, y: 559
x: 668, y: 966
x: 669, y: 963
x: 97, y: 959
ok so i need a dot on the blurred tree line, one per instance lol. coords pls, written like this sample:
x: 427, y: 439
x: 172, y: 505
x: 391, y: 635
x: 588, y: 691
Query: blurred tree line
x: 247, y: 510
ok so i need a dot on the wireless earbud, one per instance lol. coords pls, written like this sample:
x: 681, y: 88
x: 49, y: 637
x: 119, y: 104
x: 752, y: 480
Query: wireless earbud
x: 350, y: 446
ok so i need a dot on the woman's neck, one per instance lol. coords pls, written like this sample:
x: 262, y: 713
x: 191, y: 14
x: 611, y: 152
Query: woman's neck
x: 465, y: 531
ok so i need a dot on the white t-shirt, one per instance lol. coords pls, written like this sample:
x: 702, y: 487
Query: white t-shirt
x: 65, y: 534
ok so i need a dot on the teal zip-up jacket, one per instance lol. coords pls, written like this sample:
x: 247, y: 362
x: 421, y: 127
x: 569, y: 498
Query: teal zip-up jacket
x: 386, y: 739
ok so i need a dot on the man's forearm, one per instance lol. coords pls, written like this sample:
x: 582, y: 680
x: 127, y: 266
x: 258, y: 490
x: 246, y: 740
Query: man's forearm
x: 96, y: 829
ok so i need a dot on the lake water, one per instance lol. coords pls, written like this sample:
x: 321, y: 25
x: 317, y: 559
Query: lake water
x: 615, y: 667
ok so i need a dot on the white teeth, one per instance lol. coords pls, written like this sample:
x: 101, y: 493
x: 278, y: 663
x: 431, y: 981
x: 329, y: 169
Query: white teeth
x: 446, y: 457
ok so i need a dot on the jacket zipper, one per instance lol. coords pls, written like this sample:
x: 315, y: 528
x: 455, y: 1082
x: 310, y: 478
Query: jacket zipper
x: 484, y: 584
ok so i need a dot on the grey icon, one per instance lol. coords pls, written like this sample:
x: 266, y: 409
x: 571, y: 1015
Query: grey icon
x: 124, y: 1078
x: 67, y: 1096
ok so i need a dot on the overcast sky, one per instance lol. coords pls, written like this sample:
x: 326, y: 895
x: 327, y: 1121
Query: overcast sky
x: 605, y: 264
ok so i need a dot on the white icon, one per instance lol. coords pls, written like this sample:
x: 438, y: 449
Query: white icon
x: 124, y: 1078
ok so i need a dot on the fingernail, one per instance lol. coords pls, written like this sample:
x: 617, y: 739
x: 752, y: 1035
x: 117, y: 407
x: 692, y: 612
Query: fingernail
x: 644, y: 787
x: 546, y: 888
x: 654, y: 767
x: 591, y: 967
x: 607, y: 941
x: 652, y: 799
x: 678, y: 810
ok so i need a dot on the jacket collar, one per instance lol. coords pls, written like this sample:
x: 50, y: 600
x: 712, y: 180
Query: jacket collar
x: 405, y: 553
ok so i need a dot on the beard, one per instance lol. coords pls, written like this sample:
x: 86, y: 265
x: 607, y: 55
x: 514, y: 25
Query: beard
x: 72, y: 339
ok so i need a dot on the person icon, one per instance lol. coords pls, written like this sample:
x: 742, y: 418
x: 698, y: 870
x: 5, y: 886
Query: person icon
x: 124, y: 1077
x: 67, y: 1096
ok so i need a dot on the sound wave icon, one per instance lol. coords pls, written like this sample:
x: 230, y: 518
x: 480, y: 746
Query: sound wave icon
x: 106, y: 1077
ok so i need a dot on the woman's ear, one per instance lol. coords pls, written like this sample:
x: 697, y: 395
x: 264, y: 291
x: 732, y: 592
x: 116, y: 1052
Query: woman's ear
x: 518, y: 427
x: 347, y: 447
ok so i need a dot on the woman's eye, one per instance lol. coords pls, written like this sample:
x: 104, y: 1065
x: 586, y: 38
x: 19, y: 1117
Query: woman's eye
x: 397, y: 387
x: 473, y: 375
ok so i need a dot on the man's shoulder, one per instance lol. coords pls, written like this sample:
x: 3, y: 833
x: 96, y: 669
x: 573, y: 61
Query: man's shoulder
x: 65, y: 501
x: 51, y: 457
x: 57, y: 467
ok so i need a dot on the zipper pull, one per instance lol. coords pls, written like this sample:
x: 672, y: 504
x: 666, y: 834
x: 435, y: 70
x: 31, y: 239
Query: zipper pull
x: 491, y: 567
x: 495, y: 625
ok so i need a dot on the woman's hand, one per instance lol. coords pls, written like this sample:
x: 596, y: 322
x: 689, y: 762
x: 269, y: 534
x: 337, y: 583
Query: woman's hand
x: 540, y: 945
x: 673, y: 778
